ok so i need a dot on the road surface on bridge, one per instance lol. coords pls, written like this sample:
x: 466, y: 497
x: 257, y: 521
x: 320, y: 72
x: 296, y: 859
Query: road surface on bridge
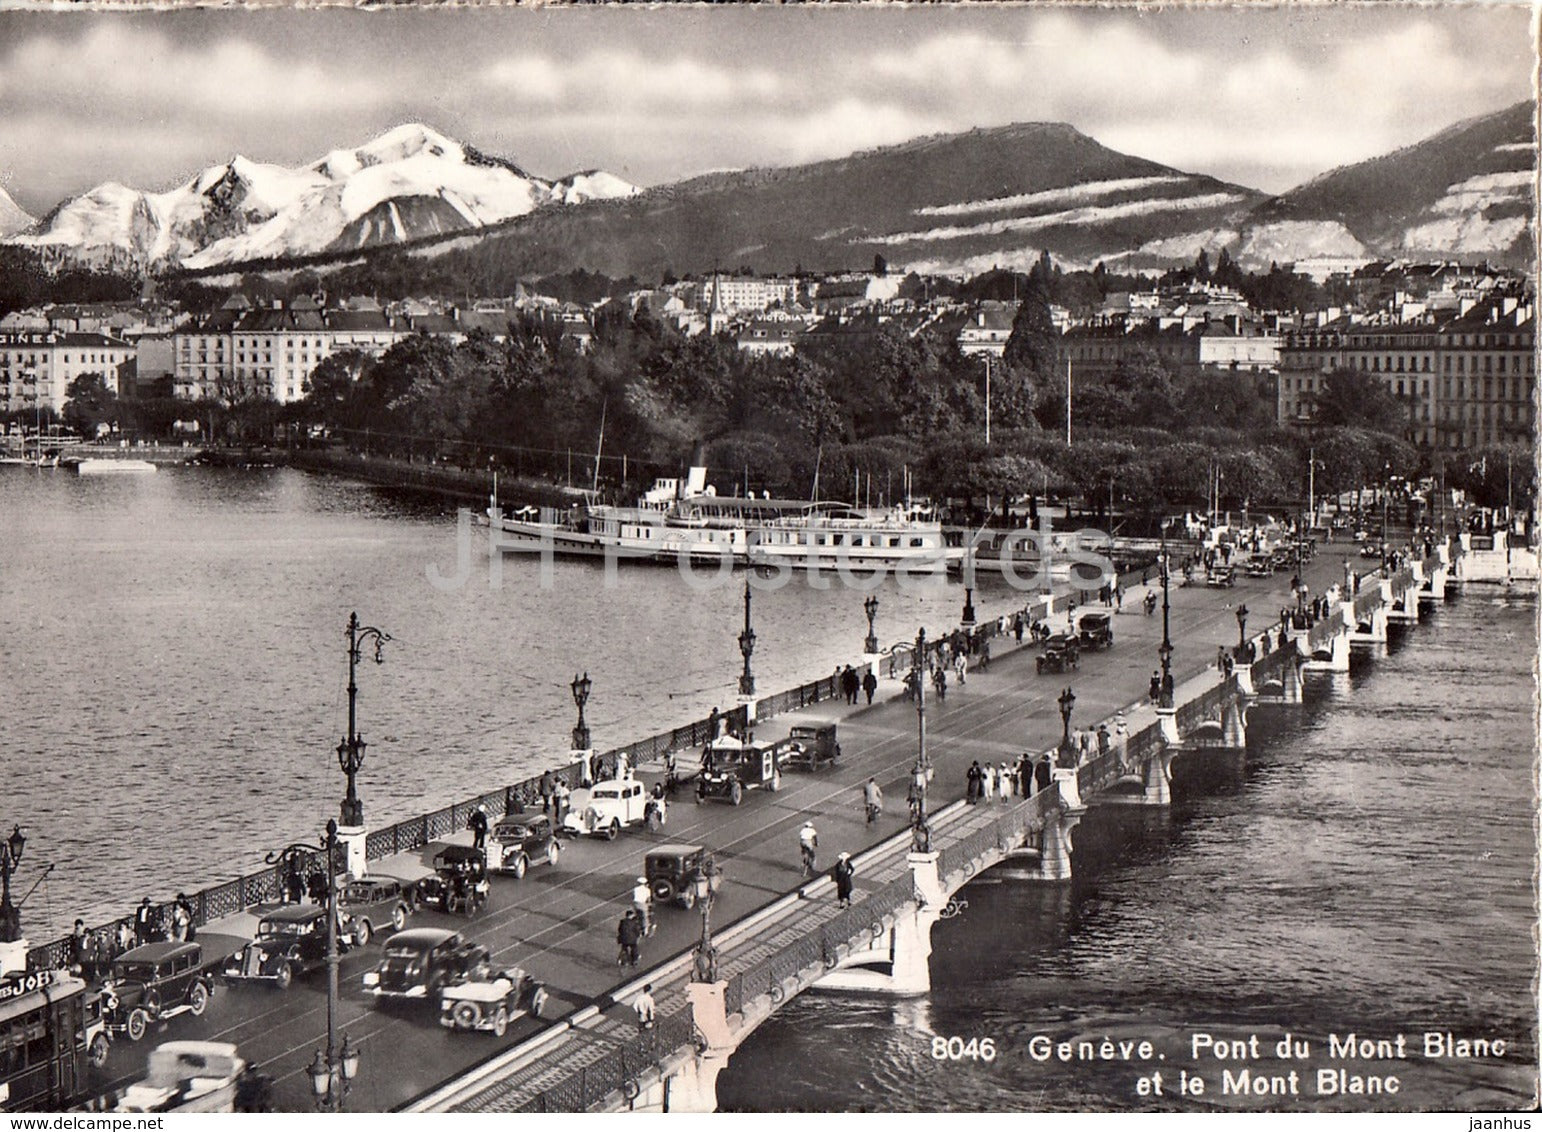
x: 560, y: 923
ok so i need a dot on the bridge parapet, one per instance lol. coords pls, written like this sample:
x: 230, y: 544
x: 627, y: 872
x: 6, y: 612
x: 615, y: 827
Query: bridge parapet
x: 615, y: 1068
x: 1099, y: 773
x: 964, y: 858
x: 1208, y: 706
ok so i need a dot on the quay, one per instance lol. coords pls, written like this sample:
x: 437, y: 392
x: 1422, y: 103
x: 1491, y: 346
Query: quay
x: 776, y: 934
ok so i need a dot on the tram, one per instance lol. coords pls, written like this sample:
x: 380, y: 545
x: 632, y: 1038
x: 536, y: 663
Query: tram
x: 51, y: 1032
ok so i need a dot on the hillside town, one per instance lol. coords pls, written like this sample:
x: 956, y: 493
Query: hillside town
x: 1454, y: 344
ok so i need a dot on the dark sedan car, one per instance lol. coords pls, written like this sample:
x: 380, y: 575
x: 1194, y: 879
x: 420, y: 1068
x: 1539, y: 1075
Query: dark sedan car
x: 519, y: 841
x: 291, y: 941
x: 155, y: 981
x: 421, y: 962
x: 369, y: 905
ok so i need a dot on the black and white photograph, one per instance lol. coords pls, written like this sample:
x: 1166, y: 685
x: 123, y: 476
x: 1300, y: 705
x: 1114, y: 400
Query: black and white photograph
x: 547, y: 555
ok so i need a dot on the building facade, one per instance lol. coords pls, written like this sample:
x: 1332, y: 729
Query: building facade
x: 37, y: 366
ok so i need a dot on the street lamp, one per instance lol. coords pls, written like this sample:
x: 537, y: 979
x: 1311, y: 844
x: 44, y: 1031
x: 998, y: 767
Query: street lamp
x: 1242, y: 630
x: 870, y: 607
x: 580, y: 686
x: 705, y: 963
x: 968, y: 606
x: 1067, y: 701
x: 1165, y: 650
x: 1386, y: 479
x: 331, y: 1072
x: 350, y: 752
x: 921, y: 773
x: 10, y: 857
x: 747, y: 645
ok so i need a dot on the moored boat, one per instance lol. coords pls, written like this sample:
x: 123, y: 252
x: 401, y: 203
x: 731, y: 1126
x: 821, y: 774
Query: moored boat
x: 108, y: 467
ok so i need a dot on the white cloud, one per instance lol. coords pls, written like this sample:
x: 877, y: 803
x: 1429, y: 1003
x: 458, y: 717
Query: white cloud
x: 127, y: 72
x: 625, y: 79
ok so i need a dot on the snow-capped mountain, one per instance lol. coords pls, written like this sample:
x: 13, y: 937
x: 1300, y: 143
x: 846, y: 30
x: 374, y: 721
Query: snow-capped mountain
x: 409, y: 183
x: 12, y: 218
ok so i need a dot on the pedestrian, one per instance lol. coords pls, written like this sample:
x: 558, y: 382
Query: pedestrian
x: 961, y: 666
x: 973, y: 777
x: 1004, y: 782
x: 1103, y: 739
x: 1119, y: 597
x: 628, y: 933
x: 843, y: 871
x: 1017, y: 627
x: 294, y: 883
x: 988, y: 782
x: 560, y: 801
x: 548, y: 791
x: 126, y: 937
x: 646, y: 1008
x: 1220, y: 657
x: 870, y: 684
x: 1042, y: 774
x: 478, y: 827
x: 181, y: 920
x: 144, y: 923
x: 872, y: 800
x: 940, y: 682
x: 79, y: 948
x: 985, y: 655
x: 849, y: 684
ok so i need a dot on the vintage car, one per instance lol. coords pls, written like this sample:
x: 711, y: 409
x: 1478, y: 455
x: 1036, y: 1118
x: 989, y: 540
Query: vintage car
x: 421, y: 962
x: 808, y: 747
x: 491, y: 1003
x: 196, y: 1077
x: 368, y: 905
x: 291, y: 940
x: 1060, y: 651
x: 732, y: 766
x: 155, y: 981
x: 609, y: 808
x: 671, y: 872
x: 519, y: 841
x: 1370, y: 550
x: 1260, y: 566
x: 1095, y: 631
x: 458, y: 882
x: 1220, y: 576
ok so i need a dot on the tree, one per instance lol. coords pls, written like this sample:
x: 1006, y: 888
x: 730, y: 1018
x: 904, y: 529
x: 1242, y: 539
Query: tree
x: 89, y: 403
x: 1032, y: 346
x: 1350, y: 398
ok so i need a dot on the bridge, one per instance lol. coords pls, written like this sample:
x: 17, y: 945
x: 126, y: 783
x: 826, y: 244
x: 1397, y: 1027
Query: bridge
x: 599, y: 1060
x: 777, y: 935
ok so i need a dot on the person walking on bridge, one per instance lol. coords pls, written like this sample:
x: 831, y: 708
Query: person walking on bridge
x: 870, y: 684
x: 628, y: 932
x: 842, y: 873
x: 478, y: 826
x: 645, y: 1007
x: 808, y: 843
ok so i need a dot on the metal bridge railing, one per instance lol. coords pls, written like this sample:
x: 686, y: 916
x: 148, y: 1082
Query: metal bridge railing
x: 618, y: 1069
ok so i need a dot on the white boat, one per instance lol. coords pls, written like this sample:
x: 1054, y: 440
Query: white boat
x: 99, y: 467
x: 689, y: 520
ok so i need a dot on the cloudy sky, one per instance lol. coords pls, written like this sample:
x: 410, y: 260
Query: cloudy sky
x: 1266, y: 98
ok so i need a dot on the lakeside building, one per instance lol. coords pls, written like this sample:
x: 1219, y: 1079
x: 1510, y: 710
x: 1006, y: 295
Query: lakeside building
x: 37, y: 366
x: 1468, y: 380
x: 1232, y: 343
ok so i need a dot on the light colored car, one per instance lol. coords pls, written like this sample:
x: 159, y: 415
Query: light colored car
x: 186, y: 1077
x: 609, y: 808
x: 493, y: 1003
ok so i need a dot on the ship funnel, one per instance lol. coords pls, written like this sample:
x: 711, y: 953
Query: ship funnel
x: 696, y: 479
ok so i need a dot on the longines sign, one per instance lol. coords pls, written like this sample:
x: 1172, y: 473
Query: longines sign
x: 29, y: 337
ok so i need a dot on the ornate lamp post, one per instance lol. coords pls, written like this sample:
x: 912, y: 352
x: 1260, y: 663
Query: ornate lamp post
x: 332, y: 1071
x: 1386, y: 480
x: 704, y: 968
x: 350, y: 752
x: 580, y: 686
x: 1165, y: 650
x: 968, y: 606
x: 1067, y: 702
x: 1242, y: 630
x: 870, y: 607
x: 747, y: 645
x: 10, y: 856
x: 921, y: 773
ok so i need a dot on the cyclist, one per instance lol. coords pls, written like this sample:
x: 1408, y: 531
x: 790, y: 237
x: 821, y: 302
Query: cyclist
x: 642, y: 903
x: 872, y: 800
x: 808, y: 841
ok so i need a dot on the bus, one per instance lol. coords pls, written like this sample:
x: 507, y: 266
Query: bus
x: 51, y: 1030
